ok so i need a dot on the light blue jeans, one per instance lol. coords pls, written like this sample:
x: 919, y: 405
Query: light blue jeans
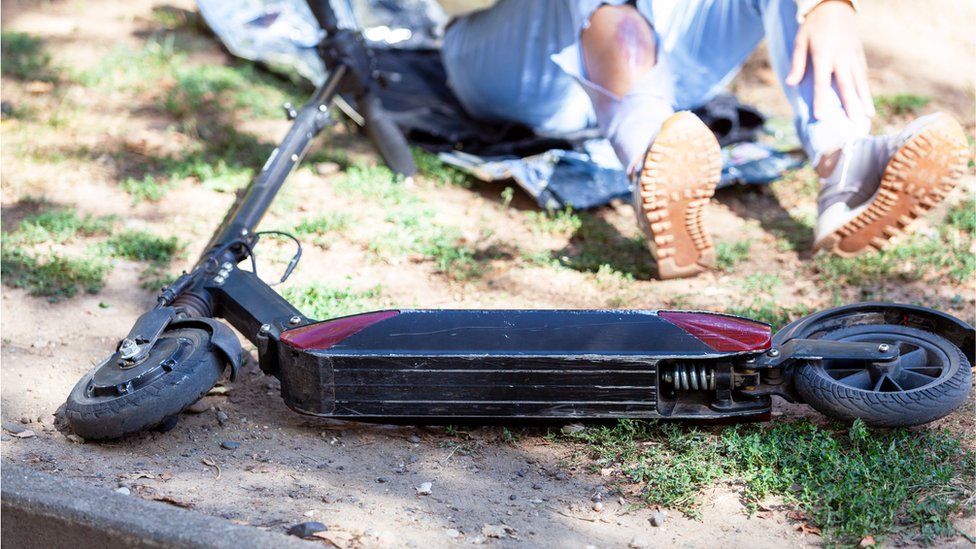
x: 520, y: 61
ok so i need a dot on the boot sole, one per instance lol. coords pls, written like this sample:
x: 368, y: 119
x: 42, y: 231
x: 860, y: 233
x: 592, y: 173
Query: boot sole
x: 678, y: 177
x: 917, y: 178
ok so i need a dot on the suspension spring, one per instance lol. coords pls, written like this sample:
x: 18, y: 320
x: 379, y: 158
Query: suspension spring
x: 193, y: 304
x: 691, y: 377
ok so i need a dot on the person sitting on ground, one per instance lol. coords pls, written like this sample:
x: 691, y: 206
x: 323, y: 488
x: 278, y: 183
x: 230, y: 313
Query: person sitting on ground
x: 634, y: 69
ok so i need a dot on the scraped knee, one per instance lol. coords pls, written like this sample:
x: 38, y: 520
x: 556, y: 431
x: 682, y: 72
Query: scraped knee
x: 618, y: 48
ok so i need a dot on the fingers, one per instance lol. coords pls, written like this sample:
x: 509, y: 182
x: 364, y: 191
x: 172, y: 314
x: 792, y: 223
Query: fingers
x: 822, y: 71
x: 863, y: 90
x: 799, y: 67
x: 847, y: 89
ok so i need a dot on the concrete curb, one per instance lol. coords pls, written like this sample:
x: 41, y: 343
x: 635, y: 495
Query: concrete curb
x: 39, y: 510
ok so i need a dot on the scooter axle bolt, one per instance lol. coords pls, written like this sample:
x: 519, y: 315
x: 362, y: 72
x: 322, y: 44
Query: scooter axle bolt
x: 773, y: 352
x: 883, y: 348
x: 265, y: 328
x: 295, y: 320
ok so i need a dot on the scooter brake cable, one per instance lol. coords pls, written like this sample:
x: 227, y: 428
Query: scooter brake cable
x: 294, y: 259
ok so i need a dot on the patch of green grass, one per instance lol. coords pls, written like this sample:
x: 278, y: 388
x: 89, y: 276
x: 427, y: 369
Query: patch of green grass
x: 962, y: 217
x: 432, y: 168
x: 756, y: 284
x: 597, y: 243
x: 563, y: 222
x: 149, y: 188
x: 920, y: 256
x: 131, y: 69
x: 155, y: 277
x: 730, y: 254
x: 851, y: 483
x: 375, y: 183
x: 901, y: 103
x: 241, y: 86
x: 770, y: 313
x: 332, y: 223
x: 22, y: 56
x: 55, y: 276
x: 143, y: 246
x: 59, y: 225
x: 451, y: 256
x: 191, y: 88
x: 324, y: 302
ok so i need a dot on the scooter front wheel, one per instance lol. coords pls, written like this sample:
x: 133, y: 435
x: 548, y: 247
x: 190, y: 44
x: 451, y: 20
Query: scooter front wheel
x: 930, y: 378
x: 117, y: 398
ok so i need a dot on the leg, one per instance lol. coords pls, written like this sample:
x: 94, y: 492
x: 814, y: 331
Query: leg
x: 498, y: 65
x: 873, y: 187
x: 674, y: 158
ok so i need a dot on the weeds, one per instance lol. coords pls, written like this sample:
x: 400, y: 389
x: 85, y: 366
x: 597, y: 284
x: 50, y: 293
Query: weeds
x: 431, y: 167
x: 23, y: 57
x: 53, y: 273
x: 55, y: 276
x: 766, y: 311
x: 597, y: 243
x: 730, y: 254
x: 322, y: 302
x: 143, y: 246
x: 851, y: 483
x: 148, y: 188
x: 58, y: 226
x: 900, y: 104
x: 944, y: 252
x: 563, y: 222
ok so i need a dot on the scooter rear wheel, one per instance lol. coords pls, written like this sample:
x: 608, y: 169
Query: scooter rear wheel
x: 929, y: 380
x: 116, y: 399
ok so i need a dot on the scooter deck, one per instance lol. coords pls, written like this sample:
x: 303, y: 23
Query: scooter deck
x: 511, y: 364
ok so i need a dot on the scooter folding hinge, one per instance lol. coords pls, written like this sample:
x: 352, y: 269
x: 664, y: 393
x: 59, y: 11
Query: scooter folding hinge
x: 822, y: 349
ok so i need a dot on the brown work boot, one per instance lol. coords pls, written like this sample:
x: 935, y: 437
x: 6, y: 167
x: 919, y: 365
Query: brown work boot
x: 881, y: 184
x: 680, y: 171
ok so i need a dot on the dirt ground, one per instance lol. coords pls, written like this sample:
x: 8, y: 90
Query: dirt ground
x: 361, y: 480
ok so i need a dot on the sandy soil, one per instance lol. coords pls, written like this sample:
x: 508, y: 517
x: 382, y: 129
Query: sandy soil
x: 361, y: 480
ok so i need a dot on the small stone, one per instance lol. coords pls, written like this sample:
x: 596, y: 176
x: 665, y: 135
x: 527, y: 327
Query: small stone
x: 25, y: 420
x: 639, y: 543
x: 452, y: 533
x: 537, y: 486
x: 657, y: 518
x: 382, y: 480
x: 413, y: 459
x: 230, y: 445
x: 13, y: 428
x: 521, y: 472
x: 122, y: 490
x: 222, y: 417
x: 562, y: 475
x: 413, y: 439
x: 596, y: 497
x: 573, y: 428
x: 424, y: 489
x: 598, y: 507
x: 512, y: 497
x: 75, y: 438
x: 306, y: 529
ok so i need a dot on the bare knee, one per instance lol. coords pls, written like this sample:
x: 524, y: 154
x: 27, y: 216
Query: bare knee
x: 618, y: 48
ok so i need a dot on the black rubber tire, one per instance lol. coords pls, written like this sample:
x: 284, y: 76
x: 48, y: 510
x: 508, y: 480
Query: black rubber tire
x: 889, y: 409
x: 151, y: 405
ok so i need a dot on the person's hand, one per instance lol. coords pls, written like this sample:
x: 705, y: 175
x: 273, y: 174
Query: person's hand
x: 828, y: 37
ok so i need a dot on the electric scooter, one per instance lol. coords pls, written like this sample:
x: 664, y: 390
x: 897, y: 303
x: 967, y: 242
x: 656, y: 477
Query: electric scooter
x: 887, y: 364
